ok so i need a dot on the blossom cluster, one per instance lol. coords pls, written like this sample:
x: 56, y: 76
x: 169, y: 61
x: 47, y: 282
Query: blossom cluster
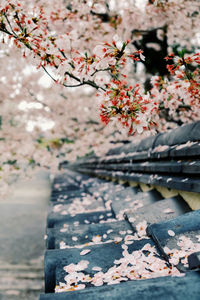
x: 180, y: 94
x: 91, y: 44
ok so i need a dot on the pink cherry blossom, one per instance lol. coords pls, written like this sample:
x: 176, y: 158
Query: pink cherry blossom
x: 42, y: 121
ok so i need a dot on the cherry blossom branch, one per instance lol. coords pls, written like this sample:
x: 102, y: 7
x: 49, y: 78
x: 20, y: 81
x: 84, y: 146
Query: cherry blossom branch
x: 129, y: 104
x: 37, y: 100
x: 9, y: 24
x: 27, y: 44
x: 88, y: 82
x: 100, y: 70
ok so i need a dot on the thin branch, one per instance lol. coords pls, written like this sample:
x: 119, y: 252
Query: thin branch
x: 9, y: 24
x: 100, y: 70
x: 146, y: 31
x: 89, y: 82
x: 19, y: 24
x: 5, y: 31
x: 93, y: 84
x: 49, y: 74
x: 63, y: 96
x: 63, y: 54
x: 75, y: 85
x: 36, y: 99
x: 72, y: 76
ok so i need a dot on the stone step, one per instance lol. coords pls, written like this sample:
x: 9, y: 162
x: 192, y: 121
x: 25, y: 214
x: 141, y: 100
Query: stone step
x: 9, y: 283
x: 19, y: 295
x: 22, y: 274
x: 36, y: 266
x: 21, y: 281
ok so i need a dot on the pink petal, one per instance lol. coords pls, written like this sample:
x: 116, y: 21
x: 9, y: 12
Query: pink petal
x: 84, y: 252
x: 171, y: 232
x: 168, y: 211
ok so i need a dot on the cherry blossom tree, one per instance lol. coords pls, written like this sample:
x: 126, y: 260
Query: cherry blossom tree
x: 133, y: 63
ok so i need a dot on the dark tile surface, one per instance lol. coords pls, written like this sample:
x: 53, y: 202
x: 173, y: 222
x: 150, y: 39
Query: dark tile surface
x: 187, y: 151
x: 194, y: 261
x: 180, y: 135
x: 181, y: 224
x: 166, y: 167
x: 180, y: 233
x: 130, y: 200
x: 84, y: 234
x: 159, y: 211
x: 100, y: 255
x: 56, y: 220
x: 63, y: 195
x: 165, y: 288
x: 185, y: 183
x: 82, y: 204
x: 106, y: 189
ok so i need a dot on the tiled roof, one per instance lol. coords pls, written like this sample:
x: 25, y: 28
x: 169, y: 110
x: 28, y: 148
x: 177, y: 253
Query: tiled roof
x: 115, y: 241
x: 103, y: 230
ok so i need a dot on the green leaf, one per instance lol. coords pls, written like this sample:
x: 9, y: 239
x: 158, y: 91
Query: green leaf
x: 11, y: 162
x: 31, y: 161
x: 67, y: 141
x: 40, y: 140
x: 182, y: 53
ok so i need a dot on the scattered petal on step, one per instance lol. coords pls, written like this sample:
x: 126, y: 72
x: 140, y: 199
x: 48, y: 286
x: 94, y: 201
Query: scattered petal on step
x: 84, y: 252
x: 168, y: 211
x: 171, y: 232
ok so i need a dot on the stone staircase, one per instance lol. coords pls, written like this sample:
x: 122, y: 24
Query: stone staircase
x: 22, y: 221
x: 21, y: 281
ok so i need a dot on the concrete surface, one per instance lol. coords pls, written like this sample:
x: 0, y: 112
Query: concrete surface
x: 22, y: 245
